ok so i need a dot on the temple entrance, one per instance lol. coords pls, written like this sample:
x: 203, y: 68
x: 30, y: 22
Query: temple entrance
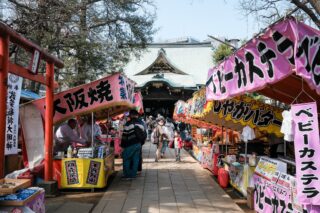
x: 159, y: 97
x: 155, y: 107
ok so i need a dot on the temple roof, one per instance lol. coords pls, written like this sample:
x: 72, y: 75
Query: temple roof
x: 161, y: 65
x: 179, y: 65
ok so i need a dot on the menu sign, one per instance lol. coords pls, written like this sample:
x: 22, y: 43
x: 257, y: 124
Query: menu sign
x: 267, y: 167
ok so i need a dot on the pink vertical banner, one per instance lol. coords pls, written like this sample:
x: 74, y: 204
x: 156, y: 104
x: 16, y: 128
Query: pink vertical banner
x: 307, y: 152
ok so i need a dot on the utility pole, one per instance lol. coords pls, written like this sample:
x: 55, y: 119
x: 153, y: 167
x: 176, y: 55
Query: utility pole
x: 223, y: 42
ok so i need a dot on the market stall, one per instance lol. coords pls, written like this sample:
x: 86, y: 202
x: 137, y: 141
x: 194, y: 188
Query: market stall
x: 235, y: 115
x: 232, y: 116
x: 81, y: 167
x: 201, y: 132
x: 282, y: 64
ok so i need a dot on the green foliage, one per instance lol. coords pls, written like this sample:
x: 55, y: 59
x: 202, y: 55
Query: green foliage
x: 92, y: 37
x: 221, y: 53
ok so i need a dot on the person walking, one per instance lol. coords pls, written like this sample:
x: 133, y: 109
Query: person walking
x: 132, y: 136
x: 169, y: 130
x: 159, y: 136
x: 150, y: 126
x: 177, y: 145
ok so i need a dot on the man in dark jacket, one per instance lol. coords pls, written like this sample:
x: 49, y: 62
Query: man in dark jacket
x: 132, y: 137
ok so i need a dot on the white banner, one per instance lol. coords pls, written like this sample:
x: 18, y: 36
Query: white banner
x: 13, y: 99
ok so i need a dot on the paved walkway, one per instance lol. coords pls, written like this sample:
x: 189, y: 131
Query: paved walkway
x: 167, y: 186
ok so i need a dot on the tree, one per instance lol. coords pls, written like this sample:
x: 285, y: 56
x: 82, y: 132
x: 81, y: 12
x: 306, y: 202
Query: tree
x: 92, y: 37
x: 271, y: 10
x: 221, y: 53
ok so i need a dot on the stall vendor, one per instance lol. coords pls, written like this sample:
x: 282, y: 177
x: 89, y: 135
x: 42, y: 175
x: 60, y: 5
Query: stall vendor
x: 65, y: 136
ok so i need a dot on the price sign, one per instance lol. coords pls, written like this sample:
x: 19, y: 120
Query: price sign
x: 268, y: 167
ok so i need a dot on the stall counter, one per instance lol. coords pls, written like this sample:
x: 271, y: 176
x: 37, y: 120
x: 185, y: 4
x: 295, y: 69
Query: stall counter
x: 241, y: 176
x: 83, y: 172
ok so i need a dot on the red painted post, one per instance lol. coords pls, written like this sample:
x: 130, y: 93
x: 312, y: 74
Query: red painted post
x: 48, y: 149
x: 4, y: 67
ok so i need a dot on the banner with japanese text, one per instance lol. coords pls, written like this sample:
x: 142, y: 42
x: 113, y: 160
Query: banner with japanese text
x: 242, y: 110
x: 110, y: 93
x: 247, y: 111
x: 13, y: 99
x: 286, y: 47
x: 307, y: 152
x: 274, y: 196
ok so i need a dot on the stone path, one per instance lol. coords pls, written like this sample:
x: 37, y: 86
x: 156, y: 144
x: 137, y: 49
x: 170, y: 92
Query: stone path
x: 166, y: 186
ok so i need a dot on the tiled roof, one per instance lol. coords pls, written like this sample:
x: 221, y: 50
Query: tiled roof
x: 193, y: 60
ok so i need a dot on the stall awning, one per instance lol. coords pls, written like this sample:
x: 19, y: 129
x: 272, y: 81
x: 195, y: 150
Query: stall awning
x: 234, y: 113
x: 105, y: 97
x: 274, y: 64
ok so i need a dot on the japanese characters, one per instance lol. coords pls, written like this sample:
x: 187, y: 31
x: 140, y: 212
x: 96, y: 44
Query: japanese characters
x: 267, y: 59
x: 307, y: 152
x: 86, y: 98
x: 13, y: 98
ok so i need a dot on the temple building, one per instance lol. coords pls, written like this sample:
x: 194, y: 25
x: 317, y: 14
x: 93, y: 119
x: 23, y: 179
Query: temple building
x: 170, y: 71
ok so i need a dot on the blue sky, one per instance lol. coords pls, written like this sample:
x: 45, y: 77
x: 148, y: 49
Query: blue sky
x: 198, y: 18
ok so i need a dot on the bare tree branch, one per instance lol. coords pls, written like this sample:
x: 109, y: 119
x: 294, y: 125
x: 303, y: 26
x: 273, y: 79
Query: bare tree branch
x: 316, y: 5
x: 307, y: 10
x: 271, y: 10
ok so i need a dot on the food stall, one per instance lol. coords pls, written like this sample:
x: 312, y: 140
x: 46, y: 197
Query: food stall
x: 232, y: 116
x: 240, y: 156
x: 84, y: 167
x: 282, y: 64
x: 201, y: 132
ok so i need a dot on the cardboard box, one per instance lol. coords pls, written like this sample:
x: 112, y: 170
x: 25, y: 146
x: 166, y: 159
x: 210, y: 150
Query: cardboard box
x: 250, y: 197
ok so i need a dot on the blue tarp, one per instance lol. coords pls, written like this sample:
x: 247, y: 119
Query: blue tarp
x: 26, y: 94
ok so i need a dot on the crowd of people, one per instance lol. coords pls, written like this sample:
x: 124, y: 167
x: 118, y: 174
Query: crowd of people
x: 164, y: 133
x: 161, y: 131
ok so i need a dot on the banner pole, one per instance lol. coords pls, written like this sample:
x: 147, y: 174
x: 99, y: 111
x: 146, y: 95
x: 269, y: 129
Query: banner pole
x: 92, y: 141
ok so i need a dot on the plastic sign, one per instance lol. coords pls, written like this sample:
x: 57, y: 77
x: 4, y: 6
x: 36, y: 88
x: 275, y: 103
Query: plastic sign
x: 267, y: 167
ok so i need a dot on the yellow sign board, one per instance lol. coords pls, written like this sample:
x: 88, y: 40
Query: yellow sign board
x: 86, y: 173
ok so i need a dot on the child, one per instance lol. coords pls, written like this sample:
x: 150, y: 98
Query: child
x: 177, y: 145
